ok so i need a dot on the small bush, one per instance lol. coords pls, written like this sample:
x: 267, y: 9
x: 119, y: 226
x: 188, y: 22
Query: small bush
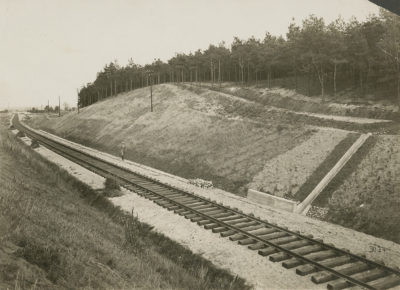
x: 34, y: 144
x: 20, y: 134
x: 45, y: 257
x: 111, y: 183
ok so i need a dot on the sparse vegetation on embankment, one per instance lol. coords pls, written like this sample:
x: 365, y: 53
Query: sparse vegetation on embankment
x: 58, y: 233
x: 365, y: 196
x: 287, y: 115
x: 206, y: 135
x: 291, y: 100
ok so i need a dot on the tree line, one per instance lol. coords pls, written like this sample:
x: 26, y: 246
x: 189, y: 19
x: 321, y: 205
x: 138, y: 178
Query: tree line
x: 314, y: 58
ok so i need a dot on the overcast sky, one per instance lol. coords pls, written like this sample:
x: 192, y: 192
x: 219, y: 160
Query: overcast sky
x: 50, y: 48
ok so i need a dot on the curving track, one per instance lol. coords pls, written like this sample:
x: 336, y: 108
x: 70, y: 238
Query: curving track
x: 324, y: 263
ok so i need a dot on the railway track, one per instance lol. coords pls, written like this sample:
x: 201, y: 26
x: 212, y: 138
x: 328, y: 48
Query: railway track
x: 325, y: 264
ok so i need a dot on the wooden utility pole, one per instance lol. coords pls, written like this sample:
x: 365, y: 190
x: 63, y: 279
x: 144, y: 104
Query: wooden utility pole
x: 48, y: 107
x: 59, y: 107
x: 150, y: 75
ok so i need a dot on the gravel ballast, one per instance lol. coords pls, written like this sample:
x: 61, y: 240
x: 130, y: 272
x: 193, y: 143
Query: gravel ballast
x: 185, y: 232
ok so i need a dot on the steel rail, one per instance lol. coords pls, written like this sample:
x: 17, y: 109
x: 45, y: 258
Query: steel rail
x: 46, y: 141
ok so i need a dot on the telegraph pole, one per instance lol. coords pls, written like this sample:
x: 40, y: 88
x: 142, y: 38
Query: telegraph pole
x: 48, y: 107
x: 150, y: 75
x: 59, y: 107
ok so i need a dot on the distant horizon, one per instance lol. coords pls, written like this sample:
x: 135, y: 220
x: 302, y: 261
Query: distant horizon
x: 43, y: 57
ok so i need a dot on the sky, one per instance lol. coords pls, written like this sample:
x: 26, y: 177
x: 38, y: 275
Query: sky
x: 49, y: 48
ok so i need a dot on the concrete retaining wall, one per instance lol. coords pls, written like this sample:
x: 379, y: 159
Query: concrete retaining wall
x: 271, y: 200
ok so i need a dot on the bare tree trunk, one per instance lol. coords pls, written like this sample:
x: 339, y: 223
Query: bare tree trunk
x: 219, y: 70
x: 248, y: 71
x: 211, y: 73
x: 115, y: 87
x: 322, y: 86
x: 334, y: 80
x: 242, y: 70
x: 398, y: 84
x: 236, y: 78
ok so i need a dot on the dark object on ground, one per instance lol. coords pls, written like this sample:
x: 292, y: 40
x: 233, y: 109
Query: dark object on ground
x: 111, y: 183
x: 11, y: 127
x: 391, y: 5
x: 21, y: 134
x: 35, y: 144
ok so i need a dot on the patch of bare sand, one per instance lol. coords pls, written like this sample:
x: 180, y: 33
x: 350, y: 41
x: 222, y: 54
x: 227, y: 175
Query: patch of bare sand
x: 358, y: 120
x: 287, y: 172
x: 341, y: 237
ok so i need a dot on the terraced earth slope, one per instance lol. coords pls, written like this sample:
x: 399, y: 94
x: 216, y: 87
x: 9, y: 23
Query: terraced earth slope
x: 342, y: 105
x: 191, y: 133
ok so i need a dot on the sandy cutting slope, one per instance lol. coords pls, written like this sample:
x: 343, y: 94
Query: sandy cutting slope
x: 191, y: 134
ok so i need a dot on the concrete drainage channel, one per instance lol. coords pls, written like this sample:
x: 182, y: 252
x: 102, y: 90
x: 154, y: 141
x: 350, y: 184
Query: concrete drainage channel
x: 308, y: 255
x: 304, y: 206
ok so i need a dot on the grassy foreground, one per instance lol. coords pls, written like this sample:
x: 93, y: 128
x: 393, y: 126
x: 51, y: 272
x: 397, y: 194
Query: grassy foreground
x: 57, y: 233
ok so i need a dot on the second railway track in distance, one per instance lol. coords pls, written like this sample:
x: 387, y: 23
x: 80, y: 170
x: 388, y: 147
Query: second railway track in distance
x: 324, y: 263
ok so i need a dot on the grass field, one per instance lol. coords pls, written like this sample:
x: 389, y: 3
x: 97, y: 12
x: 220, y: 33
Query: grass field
x: 57, y: 233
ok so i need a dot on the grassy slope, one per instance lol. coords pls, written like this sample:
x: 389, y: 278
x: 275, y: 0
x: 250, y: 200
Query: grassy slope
x: 367, y: 198
x: 192, y: 133
x: 57, y: 233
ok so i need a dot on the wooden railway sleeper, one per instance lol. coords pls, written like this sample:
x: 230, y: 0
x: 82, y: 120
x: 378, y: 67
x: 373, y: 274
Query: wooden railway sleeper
x: 278, y: 257
x: 293, y: 245
x: 332, y: 262
x: 347, y: 269
x: 228, y: 233
x: 386, y: 282
x: 318, y: 256
x: 366, y: 276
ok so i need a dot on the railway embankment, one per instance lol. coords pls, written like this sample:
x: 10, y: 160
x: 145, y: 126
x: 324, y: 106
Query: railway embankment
x: 58, y: 232
x: 233, y: 142
x: 356, y: 242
